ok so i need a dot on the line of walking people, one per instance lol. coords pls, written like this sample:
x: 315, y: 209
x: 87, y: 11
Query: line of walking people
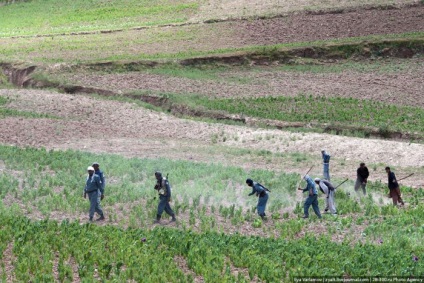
x: 327, y: 188
x: 95, y: 190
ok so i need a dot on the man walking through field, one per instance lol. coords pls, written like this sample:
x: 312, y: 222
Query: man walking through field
x: 312, y: 197
x: 262, y: 194
x: 164, y: 190
x: 362, y: 175
x: 393, y: 187
x: 93, y: 186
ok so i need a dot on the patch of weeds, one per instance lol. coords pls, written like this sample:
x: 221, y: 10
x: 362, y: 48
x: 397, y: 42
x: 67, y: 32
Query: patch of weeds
x: 384, y: 130
x: 264, y: 152
x: 299, y: 157
x: 49, y: 79
x: 4, y: 82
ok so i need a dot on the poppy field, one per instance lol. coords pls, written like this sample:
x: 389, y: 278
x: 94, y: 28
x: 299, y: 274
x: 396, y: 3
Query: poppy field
x: 217, y: 233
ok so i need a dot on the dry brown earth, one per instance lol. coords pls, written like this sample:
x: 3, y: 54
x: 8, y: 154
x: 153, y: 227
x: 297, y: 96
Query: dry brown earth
x: 224, y: 9
x: 400, y: 87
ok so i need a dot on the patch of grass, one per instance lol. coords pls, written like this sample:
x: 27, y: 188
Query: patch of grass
x: 336, y: 110
x: 4, y: 82
x: 58, y: 16
x: 380, y: 66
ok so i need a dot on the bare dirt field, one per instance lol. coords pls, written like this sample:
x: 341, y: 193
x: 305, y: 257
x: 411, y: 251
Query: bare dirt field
x: 403, y: 87
x: 224, y: 9
x: 124, y: 128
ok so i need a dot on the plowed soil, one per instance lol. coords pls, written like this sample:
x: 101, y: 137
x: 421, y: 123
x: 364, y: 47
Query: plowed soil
x: 230, y: 9
x: 400, y: 87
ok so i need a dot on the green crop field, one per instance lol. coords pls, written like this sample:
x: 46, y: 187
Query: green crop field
x: 210, y: 93
x: 50, y: 182
x: 320, y: 110
x: 56, y: 17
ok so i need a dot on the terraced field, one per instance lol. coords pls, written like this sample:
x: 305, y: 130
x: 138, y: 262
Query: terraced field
x: 211, y: 92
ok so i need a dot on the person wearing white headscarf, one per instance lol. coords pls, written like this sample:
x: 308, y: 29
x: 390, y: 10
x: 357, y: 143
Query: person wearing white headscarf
x: 93, y: 185
x: 328, y: 189
x: 312, y: 198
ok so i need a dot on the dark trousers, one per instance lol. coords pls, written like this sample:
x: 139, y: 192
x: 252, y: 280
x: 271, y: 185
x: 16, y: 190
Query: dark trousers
x: 94, y: 204
x: 312, y: 200
x: 360, y: 184
x: 396, y: 196
x: 164, y: 205
x: 262, y: 205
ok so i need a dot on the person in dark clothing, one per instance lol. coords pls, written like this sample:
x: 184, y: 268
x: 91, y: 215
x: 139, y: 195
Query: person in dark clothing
x: 362, y: 175
x: 393, y: 187
x: 164, y: 190
x: 312, y: 198
x: 93, y: 186
x: 262, y: 194
x: 99, y: 173
x: 326, y: 164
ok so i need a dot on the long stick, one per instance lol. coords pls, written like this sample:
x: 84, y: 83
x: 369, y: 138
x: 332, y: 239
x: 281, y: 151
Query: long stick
x: 405, y: 177
x: 301, y: 177
x: 341, y: 183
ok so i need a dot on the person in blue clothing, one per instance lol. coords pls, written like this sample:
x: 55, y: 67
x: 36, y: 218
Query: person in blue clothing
x: 164, y: 190
x: 326, y: 164
x: 93, y: 186
x: 99, y: 173
x: 262, y: 194
x: 312, y: 197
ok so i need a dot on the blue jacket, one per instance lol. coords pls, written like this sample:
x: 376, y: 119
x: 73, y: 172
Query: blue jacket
x: 310, y: 186
x: 102, y: 178
x: 93, y: 184
x: 258, y: 189
x: 326, y: 157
